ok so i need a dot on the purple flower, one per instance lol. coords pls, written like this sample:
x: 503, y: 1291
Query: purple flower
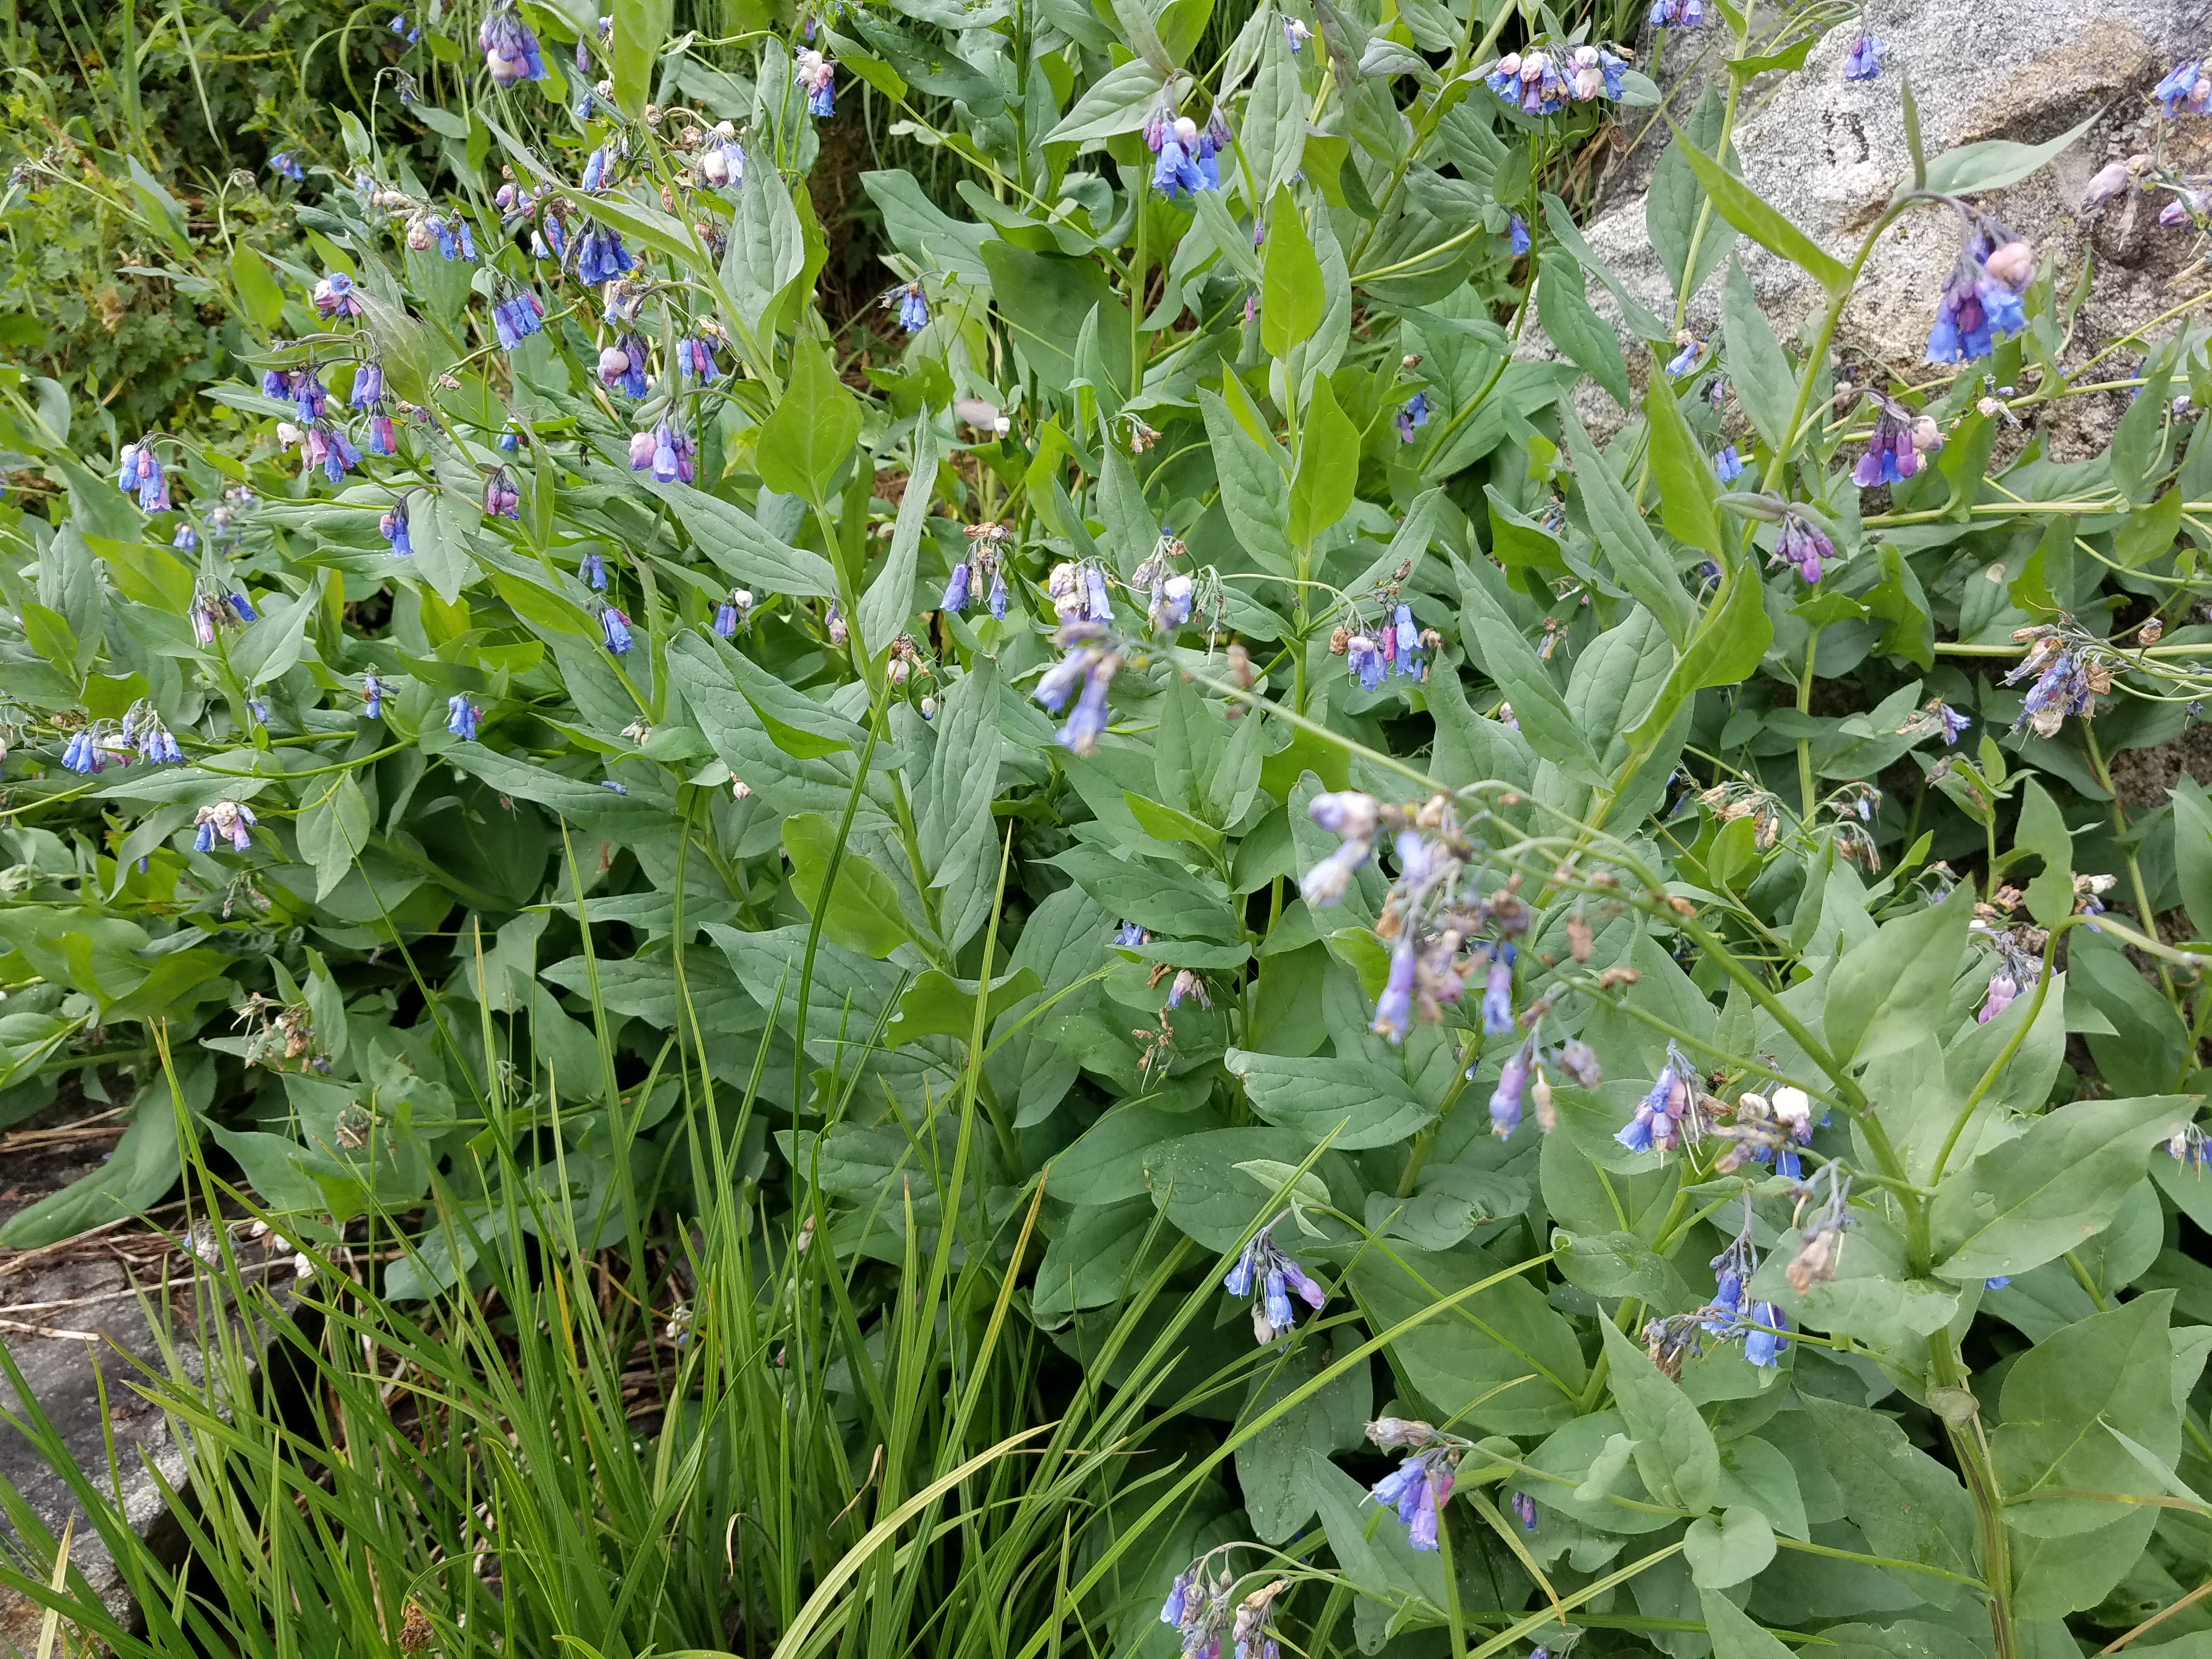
x: 955, y: 590
x: 1676, y: 14
x: 501, y: 500
x: 1524, y: 1507
x: 1394, y: 1006
x: 817, y: 77
x: 187, y: 539
x: 1364, y: 658
x: 694, y: 355
x: 1762, y: 1338
x: 285, y: 165
x: 372, y: 695
x: 1890, y: 455
x: 725, y: 619
x: 1413, y: 416
x: 334, y: 296
x: 2003, y: 988
x: 614, y: 630
x: 1686, y: 358
x: 593, y: 569
x: 1980, y: 302
x: 510, y: 49
x: 1129, y: 936
x: 1497, y: 998
x: 1088, y: 723
x: 1277, y: 1276
x: 1951, y: 721
x: 1512, y: 1081
x: 462, y: 718
x: 1802, y: 545
x: 1297, y: 33
x: 1727, y: 466
x: 1865, y: 61
x: 600, y: 257
x: 2183, y: 90
x: 1996, y: 1283
x: 1517, y: 235
x: 243, y: 606
x: 393, y: 528
x: 912, y: 303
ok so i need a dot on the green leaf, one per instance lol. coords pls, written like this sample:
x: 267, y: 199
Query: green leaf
x: 333, y: 828
x: 1734, y: 634
x: 1735, y: 1636
x: 745, y: 552
x: 864, y: 909
x: 1791, y: 57
x: 2042, y: 831
x: 2136, y: 447
x: 885, y: 608
x: 1496, y: 641
x: 767, y: 246
x: 1254, y: 488
x: 1759, y: 372
x: 1560, y: 221
x: 1737, y: 1547
x: 1675, y: 202
x: 1913, y: 146
x: 640, y: 27
x: 812, y: 433
x: 1291, y: 296
x: 48, y: 634
x: 144, y: 1165
x: 1674, y: 1450
x: 1627, y: 542
x: 1166, y: 823
x: 2192, y: 852
x: 1044, y: 298
x: 802, y: 727
x: 1504, y: 1357
x: 1743, y: 206
x: 1909, y: 1507
x: 1119, y: 101
x: 1176, y: 905
x: 268, y: 648
x: 1272, y: 1470
x: 2030, y: 1199
x: 1684, y: 476
x: 256, y: 290
x: 1563, y: 306
x: 1351, y: 1103
x: 1890, y: 991
x: 937, y: 1005
x: 2150, y: 531
x: 1613, y: 1264
x: 2111, y: 1370
x: 1274, y: 128
x: 1329, y: 467
x: 1995, y: 162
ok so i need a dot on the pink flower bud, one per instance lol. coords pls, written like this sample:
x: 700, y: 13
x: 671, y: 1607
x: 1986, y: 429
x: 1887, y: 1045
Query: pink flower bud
x: 2013, y: 264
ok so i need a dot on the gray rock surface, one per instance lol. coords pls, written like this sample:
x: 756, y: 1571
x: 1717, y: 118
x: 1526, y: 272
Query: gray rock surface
x: 1828, y: 154
x: 65, y: 1374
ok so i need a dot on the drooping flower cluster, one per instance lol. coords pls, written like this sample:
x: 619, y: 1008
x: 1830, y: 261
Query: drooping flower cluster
x: 1267, y: 1277
x: 1980, y: 304
x: 1767, y: 1128
x: 1820, y: 1240
x: 667, y: 451
x: 1760, y: 1326
x: 1804, y: 544
x: 2185, y: 89
x: 140, y: 474
x: 1090, y: 663
x: 510, y: 49
x: 1864, y: 62
x: 1727, y: 466
x: 1392, y: 646
x: 462, y: 718
x: 334, y: 295
x: 598, y: 256
x: 1413, y: 416
x: 1676, y: 14
x: 614, y: 630
x: 1189, y: 155
x: 982, y: 572
x: 521, y: 313
x: 1543, y: 82
x: 817, y: 77
x: 226, y: 820
x: 911, y: 303
x: 730, y: 613
x: 392, y: 526
x: 1419, y: 1487
x: 2067, y: 678
x: 1893, y: 451
x: 285, y: 165
x: 621, y: 365
x: 722, y: 163
x: 213, y: 607
x: 1671, y: 1112
x: 2189, y: 1147
x: 501, y: 500
x: 1203, y: 1610
x: 1172, y: 593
